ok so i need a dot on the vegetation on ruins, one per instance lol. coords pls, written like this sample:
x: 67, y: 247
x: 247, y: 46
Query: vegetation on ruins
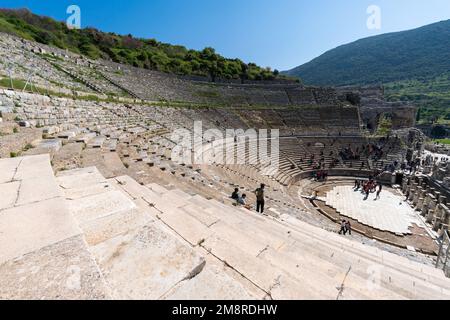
x: 125, y: 49
x: 384, y: 126
x: 432, y: 96
x: 413, y: 65
x: 439, y: 132
x: 27, y: 147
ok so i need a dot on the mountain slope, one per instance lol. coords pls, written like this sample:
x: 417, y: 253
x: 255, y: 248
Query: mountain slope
x: 413, y: 65
x: 144, y: 53
x: 418, y: 53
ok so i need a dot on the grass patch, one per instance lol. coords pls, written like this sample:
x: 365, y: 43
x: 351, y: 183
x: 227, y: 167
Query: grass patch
x: 28, y: 147
x: 443, y: 141
x: 17, y: 83
x: 431, y: 95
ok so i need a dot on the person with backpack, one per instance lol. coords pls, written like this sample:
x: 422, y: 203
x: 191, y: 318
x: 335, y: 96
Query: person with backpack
x: 260, y: 201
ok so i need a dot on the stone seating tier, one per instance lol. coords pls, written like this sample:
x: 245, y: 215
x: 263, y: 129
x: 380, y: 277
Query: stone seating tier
x: 117, y: 239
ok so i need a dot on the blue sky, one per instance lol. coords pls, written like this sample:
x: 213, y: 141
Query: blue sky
x: 277, y: 33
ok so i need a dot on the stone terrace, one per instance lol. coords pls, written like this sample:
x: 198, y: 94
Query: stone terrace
x: 116, y: 239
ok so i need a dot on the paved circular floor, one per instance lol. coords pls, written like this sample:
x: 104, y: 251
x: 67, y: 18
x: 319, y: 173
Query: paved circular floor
x: 389, y: 213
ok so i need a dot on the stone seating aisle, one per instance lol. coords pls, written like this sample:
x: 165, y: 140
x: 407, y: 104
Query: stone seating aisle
x: 43, y: 254
x: 244, y: 240
x: 118, y: 239
x: 139, y: 256
x: 267, y: 252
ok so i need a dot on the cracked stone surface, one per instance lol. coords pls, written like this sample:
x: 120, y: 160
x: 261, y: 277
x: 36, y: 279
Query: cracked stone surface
x: 34, y: 226
x: 145, y: 263
x: 64, y: 270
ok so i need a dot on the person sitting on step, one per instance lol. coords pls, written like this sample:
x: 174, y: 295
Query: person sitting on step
x: 235, y: 194
x: 242, y: 200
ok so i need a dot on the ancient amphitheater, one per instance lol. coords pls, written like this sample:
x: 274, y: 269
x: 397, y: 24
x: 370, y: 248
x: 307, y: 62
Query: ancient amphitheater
x: 94, y: 204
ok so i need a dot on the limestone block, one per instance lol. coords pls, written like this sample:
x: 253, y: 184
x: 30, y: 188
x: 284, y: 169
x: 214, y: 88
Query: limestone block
x: 37, y: 189
x: 99, y: 205
x: 213, y: 283
x: 8, y: 169
x: 186, y: 226
x: 34, y: 226
x: 34, y: 167
x: 9, y: 192
x: 64, y: 270
x: 145, y: 263
x: 80, y: 178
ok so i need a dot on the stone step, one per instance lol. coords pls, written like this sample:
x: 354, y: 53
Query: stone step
x: 138, y: 256
x: 270, y: 279
x: 400, y: 264
x: 86, y: 138
x: 417, y: 272
x: 206, y: 203
x: 148, y: 242
x: 195, y: 232
x: 40, y: 238
x: 348, y: 261
x: 178, y: 220
x: 96, y: 142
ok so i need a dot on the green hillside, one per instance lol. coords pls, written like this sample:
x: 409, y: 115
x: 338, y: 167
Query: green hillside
x: 418, y: 53
x: 144, y: 53
x: 432, y: 96
x: 414, y: 65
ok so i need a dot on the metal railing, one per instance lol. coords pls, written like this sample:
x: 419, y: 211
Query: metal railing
x: 443, y: 259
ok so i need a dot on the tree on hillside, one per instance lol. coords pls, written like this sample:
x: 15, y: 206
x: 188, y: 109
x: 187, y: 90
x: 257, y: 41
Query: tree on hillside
x: 384, y: 125
x: 438, y: 132
x: 126, y: 49
x: 244, y: 71
x: 418, y: 115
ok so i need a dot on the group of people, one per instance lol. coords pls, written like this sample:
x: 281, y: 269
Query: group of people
x: 346, y: 226
x: 368, y: 187
x: 349, y: 154
x: 242, y: 199
x: 320, y: 175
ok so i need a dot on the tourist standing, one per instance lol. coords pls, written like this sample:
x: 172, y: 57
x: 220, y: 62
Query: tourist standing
x: 260, y: 200
x: 343, y: 228
x: 348, y: 227
x: 380, y: 188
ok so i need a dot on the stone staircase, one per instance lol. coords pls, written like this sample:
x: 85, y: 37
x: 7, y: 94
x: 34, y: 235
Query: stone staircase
x: 43, y: 254
x: 81, y: 236
x: 79, y: 78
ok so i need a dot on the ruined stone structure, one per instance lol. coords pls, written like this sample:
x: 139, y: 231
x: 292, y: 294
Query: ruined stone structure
x: 97, y: 204
x: 373, y: 105
x: 430, y: 200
